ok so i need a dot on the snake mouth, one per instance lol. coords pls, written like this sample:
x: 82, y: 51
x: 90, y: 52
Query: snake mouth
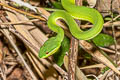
x: 51, y: 52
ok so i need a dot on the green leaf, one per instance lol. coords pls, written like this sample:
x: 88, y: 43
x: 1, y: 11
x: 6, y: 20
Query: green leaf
x: 108, y: 19
x: 87, y: 56
x: 103, y: 40
x: 59, y: 56
x: 57, y: 5
x: 104, y: 70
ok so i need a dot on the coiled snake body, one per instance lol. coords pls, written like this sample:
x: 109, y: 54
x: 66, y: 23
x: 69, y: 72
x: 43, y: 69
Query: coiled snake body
x: 72, y: 11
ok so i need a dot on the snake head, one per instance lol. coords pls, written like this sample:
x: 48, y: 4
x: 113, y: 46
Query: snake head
x: 50, y: 47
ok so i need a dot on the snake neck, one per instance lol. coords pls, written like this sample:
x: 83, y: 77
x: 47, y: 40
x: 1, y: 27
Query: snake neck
x: 68, y: 4
x: 54, y: 27
x: 68, y: 1
x: 60, y: 34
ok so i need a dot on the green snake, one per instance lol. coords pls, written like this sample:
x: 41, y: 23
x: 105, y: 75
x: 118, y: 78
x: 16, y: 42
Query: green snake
x: 72, y: 11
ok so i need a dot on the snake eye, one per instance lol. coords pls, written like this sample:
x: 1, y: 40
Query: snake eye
x: 47, y: 52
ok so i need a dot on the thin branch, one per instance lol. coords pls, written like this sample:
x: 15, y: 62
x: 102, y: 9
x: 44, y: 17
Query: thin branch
x: 73, y: 53
x: 20, y: 22
x: 34, y: 16
x: 72, y: 59
x: 6, y: 33
x: 113, y: 31
x: 115, y: 41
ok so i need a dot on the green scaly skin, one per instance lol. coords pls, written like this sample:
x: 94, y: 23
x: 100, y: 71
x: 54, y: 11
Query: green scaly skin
x: 72, y: 11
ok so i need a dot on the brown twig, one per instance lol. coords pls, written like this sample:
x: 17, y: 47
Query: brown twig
x: 23, y: 38
x: 20, y: 22
x: 73, y: 53
x: 115, y: 41
x: 61, y: 71
x: 113, y: 31
x: 109, y: 24
x: 72, y: 59
x: 2, y: 73
x: 34, y: 16
x: 6, y: 33
x: 98, y: 54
